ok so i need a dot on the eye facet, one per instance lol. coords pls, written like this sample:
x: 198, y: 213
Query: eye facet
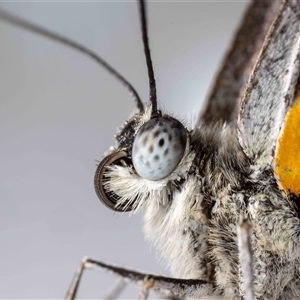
x: 158, y: 147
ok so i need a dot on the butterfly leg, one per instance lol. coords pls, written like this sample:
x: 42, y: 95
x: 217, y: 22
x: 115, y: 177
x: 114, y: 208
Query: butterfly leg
x: 72, y: 291
x: 163, y: 285
x: 116, y: 291
x: 246, y: 261
x: 148, y: 284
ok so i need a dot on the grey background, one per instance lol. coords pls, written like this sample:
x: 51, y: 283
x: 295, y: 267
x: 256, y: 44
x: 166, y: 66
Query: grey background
x: 59, y: 112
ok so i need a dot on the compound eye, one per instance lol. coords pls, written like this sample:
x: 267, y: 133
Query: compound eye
x: 158, y: 147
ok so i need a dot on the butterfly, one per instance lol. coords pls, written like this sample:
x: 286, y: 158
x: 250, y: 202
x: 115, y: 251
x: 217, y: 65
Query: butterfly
x: 202, y: 187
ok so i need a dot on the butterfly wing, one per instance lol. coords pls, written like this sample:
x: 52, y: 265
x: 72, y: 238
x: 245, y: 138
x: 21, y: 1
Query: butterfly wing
x: 224, y: 99
x: 269, y: 112
x: 271, y: 89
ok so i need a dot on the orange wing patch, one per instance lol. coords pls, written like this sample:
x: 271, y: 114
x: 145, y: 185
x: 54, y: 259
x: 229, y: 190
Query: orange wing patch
x: 288, y: 152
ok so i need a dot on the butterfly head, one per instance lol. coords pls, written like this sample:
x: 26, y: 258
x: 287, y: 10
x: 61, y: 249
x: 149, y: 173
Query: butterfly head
x: 150, y: 152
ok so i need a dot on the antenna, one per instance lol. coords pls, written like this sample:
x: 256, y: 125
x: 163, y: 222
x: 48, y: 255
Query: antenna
x: 24, y: 24
x: 152, y: 85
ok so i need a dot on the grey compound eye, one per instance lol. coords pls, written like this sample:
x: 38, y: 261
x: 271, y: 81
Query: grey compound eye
x: 158, y: 147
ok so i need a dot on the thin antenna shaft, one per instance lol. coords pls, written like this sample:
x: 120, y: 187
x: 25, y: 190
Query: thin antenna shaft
x: 152, y: 85
x: 24, y: 24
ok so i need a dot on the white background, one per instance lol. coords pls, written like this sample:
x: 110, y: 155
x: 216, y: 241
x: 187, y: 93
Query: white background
x: 59, y: 112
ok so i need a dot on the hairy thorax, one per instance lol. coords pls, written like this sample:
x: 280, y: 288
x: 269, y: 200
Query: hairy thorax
x: 195, y: 230
x: 185, y: 228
